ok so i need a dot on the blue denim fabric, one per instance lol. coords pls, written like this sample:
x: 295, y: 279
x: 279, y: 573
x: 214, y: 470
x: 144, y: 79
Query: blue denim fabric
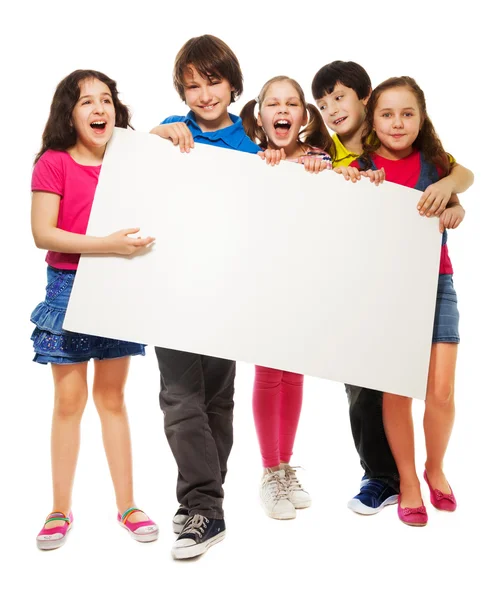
x: 53, y: 344
x: 446, y: 327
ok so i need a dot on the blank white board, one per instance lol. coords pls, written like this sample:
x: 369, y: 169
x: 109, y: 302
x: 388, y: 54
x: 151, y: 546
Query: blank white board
x: 268, y: 265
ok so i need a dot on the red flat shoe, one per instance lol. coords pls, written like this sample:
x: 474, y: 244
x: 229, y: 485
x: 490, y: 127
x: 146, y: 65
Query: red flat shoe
x: 416, y: 517
x: 439, y: 499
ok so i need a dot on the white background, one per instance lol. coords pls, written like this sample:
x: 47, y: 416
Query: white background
x: 327, y: 550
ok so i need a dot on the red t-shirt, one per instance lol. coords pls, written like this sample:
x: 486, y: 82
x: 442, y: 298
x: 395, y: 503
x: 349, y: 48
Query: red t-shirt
x: 58, y: 173
x: 406, y: 171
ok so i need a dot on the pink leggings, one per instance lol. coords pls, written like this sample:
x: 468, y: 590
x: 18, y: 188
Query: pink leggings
x: 276, y: 402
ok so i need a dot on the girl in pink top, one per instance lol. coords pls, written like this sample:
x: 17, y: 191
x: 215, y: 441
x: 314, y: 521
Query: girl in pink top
x: 84, y: 111
x: 286, y: 127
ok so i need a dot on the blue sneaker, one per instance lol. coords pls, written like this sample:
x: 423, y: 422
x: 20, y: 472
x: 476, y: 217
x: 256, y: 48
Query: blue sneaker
x: 198, y: 535
x: 374, y: 495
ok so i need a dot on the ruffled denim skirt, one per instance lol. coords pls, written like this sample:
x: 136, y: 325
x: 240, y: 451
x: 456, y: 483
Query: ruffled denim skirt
x: 52, y: 344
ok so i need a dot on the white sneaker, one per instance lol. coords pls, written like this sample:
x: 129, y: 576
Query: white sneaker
x: 296, y: 493
x: 274, y: 495
x: 180, y: 518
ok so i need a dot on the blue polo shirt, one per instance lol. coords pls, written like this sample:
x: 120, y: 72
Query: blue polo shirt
x: 232, y: 137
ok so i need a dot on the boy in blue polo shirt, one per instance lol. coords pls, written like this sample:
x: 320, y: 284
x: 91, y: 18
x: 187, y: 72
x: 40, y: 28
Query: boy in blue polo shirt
x: 197, y: 391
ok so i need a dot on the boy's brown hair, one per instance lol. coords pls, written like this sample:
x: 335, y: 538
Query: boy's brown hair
x: 212, y: 58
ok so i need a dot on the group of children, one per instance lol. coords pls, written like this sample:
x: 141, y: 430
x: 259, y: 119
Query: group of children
x: 380, y: 134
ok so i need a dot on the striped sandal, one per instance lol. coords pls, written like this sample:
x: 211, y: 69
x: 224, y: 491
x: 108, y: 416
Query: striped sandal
x: 54, y: 537
x: 141, y: 531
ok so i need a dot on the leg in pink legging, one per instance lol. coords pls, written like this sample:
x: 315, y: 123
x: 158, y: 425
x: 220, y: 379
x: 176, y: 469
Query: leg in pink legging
x: 292, y: 385
x: 277, y: 402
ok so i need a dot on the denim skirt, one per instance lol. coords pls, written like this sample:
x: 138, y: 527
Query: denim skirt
x: 52, y: 344
x: 446, y: 328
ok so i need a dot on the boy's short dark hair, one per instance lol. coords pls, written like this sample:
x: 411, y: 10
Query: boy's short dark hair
x: 211, y: 57
x: 348, y: 73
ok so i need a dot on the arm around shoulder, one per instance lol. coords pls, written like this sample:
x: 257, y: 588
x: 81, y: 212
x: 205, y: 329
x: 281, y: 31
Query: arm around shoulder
x: 461, y: 178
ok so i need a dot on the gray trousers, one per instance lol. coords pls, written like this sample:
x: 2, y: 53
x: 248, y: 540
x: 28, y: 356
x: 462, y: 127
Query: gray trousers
x: 196, y: 397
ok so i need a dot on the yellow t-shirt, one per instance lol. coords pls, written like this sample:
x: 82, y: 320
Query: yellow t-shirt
x: 342, y: 156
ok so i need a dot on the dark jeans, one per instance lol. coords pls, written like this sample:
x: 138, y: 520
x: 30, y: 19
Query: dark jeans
x: 196, y: 398
x: 366, y: 421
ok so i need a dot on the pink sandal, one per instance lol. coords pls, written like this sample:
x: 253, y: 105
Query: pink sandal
x: 142, y: 531
x: 54, y: 537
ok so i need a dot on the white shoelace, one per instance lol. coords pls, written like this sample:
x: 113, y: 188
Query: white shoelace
x: 293, y: 483
x: 276, y: 485
x: 196, y: 525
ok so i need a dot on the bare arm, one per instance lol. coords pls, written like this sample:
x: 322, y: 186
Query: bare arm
x: 46, y: 234
x: 461, y: 179
x: 436, y: 196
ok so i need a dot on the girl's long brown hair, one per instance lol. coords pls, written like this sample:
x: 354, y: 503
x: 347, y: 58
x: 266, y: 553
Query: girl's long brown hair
x: 313, y: 134
x: 427, y: 141
x: 59, y: 133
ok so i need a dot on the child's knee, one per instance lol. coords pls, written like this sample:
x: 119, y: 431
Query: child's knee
x: 441, y: 396
x: 109, y: 400
x: 69, y: 405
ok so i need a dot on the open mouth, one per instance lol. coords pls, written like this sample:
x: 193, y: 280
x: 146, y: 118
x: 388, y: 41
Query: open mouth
x: 282, y: 127
x: 98, y: 125
x: 282, y: 124
x: 339, y: 121
x: 209, y: 106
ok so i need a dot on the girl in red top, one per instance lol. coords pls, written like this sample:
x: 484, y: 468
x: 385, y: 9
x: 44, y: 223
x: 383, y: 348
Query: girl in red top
x: 84, y: 111
x: 405, y: 145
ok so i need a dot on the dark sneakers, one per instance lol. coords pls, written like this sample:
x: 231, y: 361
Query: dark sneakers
x: 374, y: 495
x: 180, y: 518
x: 197, y: 536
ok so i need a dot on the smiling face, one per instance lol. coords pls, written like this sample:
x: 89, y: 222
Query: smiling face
x: 93, y: 116
x: 342, y: 111
x: 397, y: 120
x: 282, y: 115
x: 208, y: 99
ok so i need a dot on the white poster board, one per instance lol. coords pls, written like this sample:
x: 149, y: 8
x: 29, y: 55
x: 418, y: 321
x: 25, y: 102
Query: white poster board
x: 268, y: 265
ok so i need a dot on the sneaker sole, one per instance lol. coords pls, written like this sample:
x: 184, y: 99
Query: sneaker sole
x: 53, y: 544
x: 196, y: 549
x: 358, y: 507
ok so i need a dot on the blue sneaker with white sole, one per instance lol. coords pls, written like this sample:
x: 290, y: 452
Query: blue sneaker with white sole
x: 373, y: 496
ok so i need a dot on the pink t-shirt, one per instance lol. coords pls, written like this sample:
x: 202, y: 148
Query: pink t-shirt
x: 57, y: 172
